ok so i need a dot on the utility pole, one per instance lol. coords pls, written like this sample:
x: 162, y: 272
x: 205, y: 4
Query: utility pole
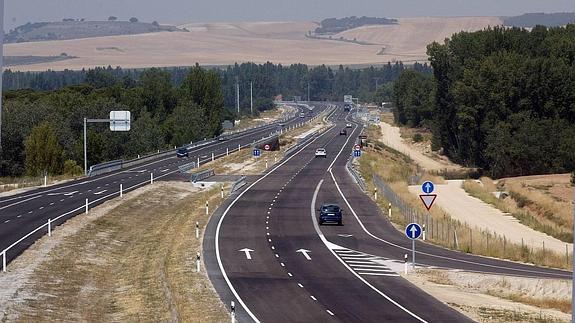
x: 238, y: 96
x: 1, y: 63
x: 252, y: 97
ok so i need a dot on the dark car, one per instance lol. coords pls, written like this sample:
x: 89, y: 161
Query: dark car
x: 330, y: 213
x: 343, y: 132
x: 182, y: 152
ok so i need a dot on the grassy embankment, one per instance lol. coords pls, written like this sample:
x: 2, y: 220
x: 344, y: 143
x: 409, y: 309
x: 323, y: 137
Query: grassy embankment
x: 531, y: 207
x: 395, y: 169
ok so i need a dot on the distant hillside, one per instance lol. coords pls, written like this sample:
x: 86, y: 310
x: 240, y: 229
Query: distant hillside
x: 546, y: 19
x: 335, y: 25
x: 43, y: 31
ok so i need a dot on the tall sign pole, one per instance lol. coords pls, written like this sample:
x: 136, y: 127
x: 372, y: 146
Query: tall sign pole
x: 238, y: 96
x: 1, y: 63
x: 252, y: 97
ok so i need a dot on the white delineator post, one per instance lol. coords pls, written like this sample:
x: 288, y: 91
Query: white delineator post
x: 389, y: 210
x: 375, y: 194
x: 207, y: 208
x: 4, y: 261
x: 151, y: 178
x: 197, y: 230
x: 198, y: 162
x: 222, y: 190
x: 266, y: 163
x: 227, y: 151
x: 45, y: 180
x: 121, y: 190
x: 213, y: 157
x: 233, y: 310
x: 239, y: 147
x: 49, y: 227
x: 87, y: 206
x: 405, y: 263
x: 198, y: 262
x: 423, y: 232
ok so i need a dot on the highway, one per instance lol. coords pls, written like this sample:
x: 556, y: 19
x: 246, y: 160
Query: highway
x: 22, y: 213
x: 265, y: 251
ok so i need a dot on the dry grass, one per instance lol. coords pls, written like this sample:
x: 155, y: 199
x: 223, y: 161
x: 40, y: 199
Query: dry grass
x: 13, y: 183
x: 563, y: 305
x: 442, y: 229
x: 259, y: 42
x: 532, y: 208
x: 137, y: 263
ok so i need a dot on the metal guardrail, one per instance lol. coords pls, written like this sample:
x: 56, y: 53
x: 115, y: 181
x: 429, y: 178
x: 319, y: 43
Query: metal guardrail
x: 238, y: 184
x: 186, y: 167
x: 106, y: 167
x: 356, y: 174
x: 200, y: 176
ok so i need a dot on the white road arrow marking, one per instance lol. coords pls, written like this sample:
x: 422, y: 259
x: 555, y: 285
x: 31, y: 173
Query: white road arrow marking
x: 62, y: 193
x: 345, y: 235
x: 98, y: 193
x: 305, y: 253
x: 247, y: 251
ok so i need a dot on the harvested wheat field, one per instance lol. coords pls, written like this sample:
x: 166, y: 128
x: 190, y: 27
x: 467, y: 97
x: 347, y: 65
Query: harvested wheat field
x: 259, y: 42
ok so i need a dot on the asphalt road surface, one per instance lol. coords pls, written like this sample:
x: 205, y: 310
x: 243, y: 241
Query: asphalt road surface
x: 265, y: 251
x: 23, y: 213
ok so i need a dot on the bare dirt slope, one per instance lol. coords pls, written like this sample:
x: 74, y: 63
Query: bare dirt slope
x: 465, y: 208
x: 391, y: 136
x: 259, y: 42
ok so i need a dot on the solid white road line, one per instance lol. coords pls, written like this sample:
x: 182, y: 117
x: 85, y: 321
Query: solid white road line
x: 332, y: 246
x: 7, y: 206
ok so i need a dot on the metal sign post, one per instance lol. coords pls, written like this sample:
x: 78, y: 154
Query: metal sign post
x: 413, y: 231
x: 119, y: 121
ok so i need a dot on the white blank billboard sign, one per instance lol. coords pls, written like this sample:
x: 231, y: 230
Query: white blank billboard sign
x: 120, y: 120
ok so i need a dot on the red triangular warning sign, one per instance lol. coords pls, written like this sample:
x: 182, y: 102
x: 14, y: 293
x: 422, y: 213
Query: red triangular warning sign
x: 428, y: 200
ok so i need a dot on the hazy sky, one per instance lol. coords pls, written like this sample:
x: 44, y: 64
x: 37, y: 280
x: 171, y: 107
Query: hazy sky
x: 19, y: 12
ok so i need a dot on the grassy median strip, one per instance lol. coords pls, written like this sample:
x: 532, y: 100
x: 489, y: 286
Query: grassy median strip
x: 135, y: 263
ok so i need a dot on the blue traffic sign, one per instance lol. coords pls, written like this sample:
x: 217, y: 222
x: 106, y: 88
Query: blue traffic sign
x: 413, y: 231
x: 427, y: 187
x: 257, y: 152
x: 357, y: 153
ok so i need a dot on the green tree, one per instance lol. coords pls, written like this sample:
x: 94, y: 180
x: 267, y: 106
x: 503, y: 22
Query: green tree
x: 43, y: 152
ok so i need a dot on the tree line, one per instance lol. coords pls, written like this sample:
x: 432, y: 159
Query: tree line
x: 43, y: 112
x: 42, y: 130
x: 501, y: 99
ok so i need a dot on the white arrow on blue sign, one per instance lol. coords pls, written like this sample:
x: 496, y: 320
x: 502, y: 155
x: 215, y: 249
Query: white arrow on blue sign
x: 257, y: 152
x: 413, y: 231
x: 357, y: 153
x: 427, y: 187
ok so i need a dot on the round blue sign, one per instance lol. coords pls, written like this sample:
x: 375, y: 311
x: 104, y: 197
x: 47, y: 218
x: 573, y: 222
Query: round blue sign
x: 427, y: 187
x: 413, y: 231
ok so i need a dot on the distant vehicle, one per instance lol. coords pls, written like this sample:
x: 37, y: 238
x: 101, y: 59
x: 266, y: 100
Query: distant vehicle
x: 302, y: 115
x: 343, y: 132
x: 330, y: 213
x: 223, y: 138
x: 320, y: 152
x: 182, y: 152
x: 348, y: 125
x: 281, y: 125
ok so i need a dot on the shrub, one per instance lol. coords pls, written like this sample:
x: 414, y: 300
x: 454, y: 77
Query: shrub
x: 417, y: 137
x: 133, y: 19
x: 72, y: 168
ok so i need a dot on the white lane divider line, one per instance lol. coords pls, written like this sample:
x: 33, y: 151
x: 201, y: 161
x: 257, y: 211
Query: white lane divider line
x: 51, y: 203
x: 62, y: 200
x: 98, y: 193
x: 289, y: 274
x: 330, y: 312
x: 19, y: 216
x: 6, y: 221
x: 300, y: 285
x: 30, y: 212
x: 313, y: 297
x: 40, y: 208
